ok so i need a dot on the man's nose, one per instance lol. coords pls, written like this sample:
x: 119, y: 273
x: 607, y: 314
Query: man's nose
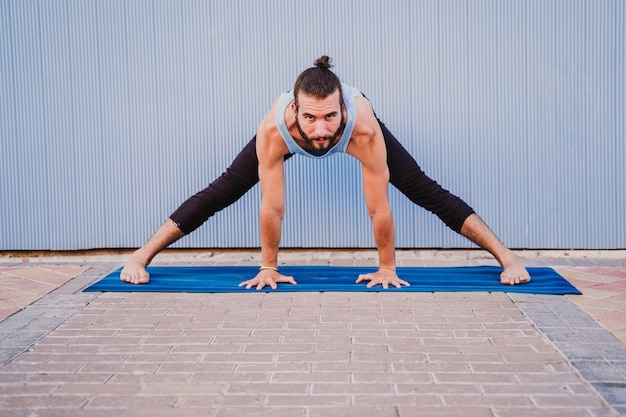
x: 321, y: 129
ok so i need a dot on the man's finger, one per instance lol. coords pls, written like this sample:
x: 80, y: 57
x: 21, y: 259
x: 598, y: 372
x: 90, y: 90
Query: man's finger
x: 264, y: 283
x: 289, y: 280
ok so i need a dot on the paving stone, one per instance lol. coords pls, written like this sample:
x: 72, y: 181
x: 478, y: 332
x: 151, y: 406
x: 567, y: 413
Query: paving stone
x: 131, y: 401
x: 353, y: 411
x: 166, y: 388
x: 265, y: 412
x: 541, y: 412
x: 312, y: 377
x: 482, y: 378
x: 605, y: 371
x: 509, y: 401
x: 308, y: 400
x: 166, y: 412
x: 613, y: 392
x: 98, y: 389
x: 228, y: 376
x: 438, y: 388
x: 266, y: 388
x: 413, y: 410
x: 581, y: 401
x: 104, y: 412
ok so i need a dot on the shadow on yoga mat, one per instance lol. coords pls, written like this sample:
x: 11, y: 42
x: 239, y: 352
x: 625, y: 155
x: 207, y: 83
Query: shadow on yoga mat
x: 225, y: 279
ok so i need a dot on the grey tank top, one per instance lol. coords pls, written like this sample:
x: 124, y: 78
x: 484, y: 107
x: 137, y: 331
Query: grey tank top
x: 348, y: 97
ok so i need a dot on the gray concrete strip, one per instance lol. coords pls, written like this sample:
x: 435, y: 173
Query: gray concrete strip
x: 24, y: 328
x: 596, y: 354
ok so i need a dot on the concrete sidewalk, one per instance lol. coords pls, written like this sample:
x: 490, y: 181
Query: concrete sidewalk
x: 310, y: 354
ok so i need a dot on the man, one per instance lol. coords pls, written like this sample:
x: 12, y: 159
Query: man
x: 319, y: 118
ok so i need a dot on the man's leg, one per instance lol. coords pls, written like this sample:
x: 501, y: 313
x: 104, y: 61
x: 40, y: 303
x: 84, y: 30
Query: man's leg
x: 408, y: 177
x: 135, y: 269
x: 478, y: 232
x: 228, y: 188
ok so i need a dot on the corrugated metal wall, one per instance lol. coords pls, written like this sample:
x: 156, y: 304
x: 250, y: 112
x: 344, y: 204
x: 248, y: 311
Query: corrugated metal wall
x: 112, y: 112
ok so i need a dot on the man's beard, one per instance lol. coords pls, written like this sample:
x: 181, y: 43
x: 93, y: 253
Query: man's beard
x: 312, y: 146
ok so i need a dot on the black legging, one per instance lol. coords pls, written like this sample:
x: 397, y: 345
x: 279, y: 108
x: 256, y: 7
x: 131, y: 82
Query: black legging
x: 243, y: 174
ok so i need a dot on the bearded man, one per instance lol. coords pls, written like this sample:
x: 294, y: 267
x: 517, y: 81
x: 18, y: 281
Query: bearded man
x: 318, y: 118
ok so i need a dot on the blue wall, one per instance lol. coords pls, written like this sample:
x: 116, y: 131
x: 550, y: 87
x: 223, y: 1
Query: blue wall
x: 113, y: 112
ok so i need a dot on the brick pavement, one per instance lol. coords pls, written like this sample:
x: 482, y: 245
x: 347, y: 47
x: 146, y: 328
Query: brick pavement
x: 306, y: 354
x: 22, y: 285
x: 604, y: 295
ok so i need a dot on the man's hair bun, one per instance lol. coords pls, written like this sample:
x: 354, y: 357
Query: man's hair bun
x: 323, y: 62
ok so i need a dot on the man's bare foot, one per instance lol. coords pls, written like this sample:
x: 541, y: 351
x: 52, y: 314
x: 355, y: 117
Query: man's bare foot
x: 135, y: 272
x: 514, y: 271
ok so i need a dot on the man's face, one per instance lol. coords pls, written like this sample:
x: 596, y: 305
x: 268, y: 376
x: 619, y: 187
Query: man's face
x: 320, y: 121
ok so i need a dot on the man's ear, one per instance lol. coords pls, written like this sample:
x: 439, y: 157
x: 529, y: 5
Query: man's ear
x: 294, y: 107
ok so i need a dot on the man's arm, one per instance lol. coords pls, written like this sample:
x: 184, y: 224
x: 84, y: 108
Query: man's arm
x: 271, y: 178
x: 272, y: 210
x: 375, y: 184
x: 368, y: 146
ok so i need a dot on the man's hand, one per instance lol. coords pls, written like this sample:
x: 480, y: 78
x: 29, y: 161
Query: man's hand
x: 383, y: 277
x: 135, y: 272
x: 267, y: 277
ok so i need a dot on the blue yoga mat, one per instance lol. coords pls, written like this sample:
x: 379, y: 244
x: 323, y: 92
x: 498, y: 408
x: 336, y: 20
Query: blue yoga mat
x: 225, y: 279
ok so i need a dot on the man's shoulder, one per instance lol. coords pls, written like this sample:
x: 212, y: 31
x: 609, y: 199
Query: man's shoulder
x: 366, y: 124
x: 268, y: 123
x: 269, y: 137
x: 268, y: 131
